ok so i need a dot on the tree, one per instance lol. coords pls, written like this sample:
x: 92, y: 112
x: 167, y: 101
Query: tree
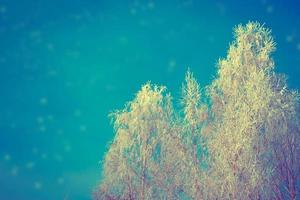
x: 241, y: 140
x: 249, y: 106
x: 194, y: 119
x: 283, y: 125
x: 131, y: 162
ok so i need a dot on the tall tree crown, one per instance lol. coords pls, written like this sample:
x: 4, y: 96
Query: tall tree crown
x: 244, y: 145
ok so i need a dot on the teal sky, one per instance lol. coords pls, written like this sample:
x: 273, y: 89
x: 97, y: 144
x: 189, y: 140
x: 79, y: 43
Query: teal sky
x: 65, y: 64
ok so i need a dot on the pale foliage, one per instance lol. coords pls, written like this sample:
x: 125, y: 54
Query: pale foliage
x: 238, y: 141
x: 253, y: 109
x: 133, y: 159
x: 246, y: 93
x: 194, y: 119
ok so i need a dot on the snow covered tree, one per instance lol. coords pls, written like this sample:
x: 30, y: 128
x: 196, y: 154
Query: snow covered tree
x: 283, y: 125
x: 130, y: 165
x: 248, y: 106
x: 241, y: 142
x: 194, y: 119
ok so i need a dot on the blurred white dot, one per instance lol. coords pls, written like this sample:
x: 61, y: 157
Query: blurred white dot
x: 289, y: 38
x: 14, y: 170
x: 298, y: 46
x: 40, y: 120
x: 211, y: 39
x: 3, y: 9
x: 73, y: 53
x: 35, y: 34
x: 2, y: 59
x: 151, y: 5
x: 110, y: 87
x: 123, y: 40
x: 171, y: 65
x: 30, y: 165
x: 69, y: 84
x: 82, y: 128
x: 143, y: 22
x: 42, y: 128
x: 68, y: 148
x: 76, y: 17
x: 60, y: 180
x: 58, y: 157
x: 13, y: 125
x: 222, y: 8
x: 50, y: 46
x: 60, y: 131
x: 44, y: 156
x: 50, y: 117
x: 270, y: 9
x: 7, y: 157
x: 37, y: 185
x: 77, y: 113
x: 133, y: 11
x: 35, y: 150
x: 187, y: 3
x: 43, y: 101
x: 52, y: 72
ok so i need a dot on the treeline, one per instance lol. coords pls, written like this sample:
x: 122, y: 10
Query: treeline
x: 237, y: 138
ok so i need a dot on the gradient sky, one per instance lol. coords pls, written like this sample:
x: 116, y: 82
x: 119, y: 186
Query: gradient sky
x: 65, y: 64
